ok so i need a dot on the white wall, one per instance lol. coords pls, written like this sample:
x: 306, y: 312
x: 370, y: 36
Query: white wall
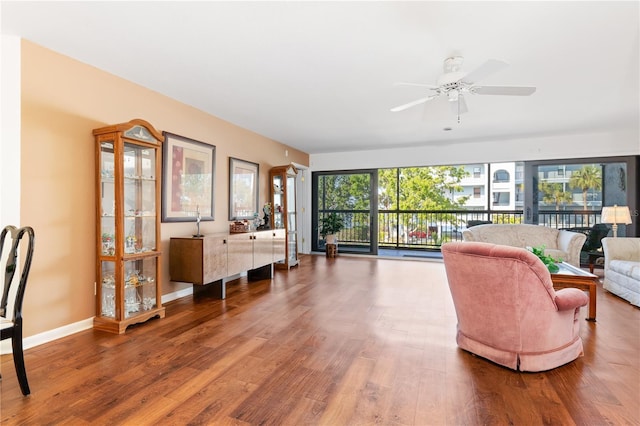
x: 597, y: 144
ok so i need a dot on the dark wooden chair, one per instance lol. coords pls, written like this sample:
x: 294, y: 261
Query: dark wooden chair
x: 595, y: 236
x: 12, y: 328
x: 593, y: 244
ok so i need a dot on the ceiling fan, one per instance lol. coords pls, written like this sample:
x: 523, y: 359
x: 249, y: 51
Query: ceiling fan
x: 454, y: 84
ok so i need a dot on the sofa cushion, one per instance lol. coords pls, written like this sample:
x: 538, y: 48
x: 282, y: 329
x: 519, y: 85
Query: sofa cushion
x: 516, y: 235
x: 536, y: 236
x: 626, y: 268
x: 622, y: 267
x: 558, y: 244
x: 556, y: 254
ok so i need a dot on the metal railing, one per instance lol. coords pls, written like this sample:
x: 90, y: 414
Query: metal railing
x: 429, y: 229
x: 569, y: 219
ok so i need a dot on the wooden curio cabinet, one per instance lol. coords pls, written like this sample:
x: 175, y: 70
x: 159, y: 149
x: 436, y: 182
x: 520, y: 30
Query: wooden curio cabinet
x: 128, y: 167
x: 283, y: 203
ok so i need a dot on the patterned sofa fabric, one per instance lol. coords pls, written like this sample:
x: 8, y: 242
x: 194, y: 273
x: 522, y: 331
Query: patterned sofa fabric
x: 622, y: 268
x: 560, y: 244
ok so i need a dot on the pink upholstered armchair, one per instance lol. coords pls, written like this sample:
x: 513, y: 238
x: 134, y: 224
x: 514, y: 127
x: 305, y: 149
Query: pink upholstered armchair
x: 507, y: 309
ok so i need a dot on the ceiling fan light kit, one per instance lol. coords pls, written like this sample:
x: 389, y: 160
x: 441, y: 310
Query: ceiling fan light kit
x: 455, y: 83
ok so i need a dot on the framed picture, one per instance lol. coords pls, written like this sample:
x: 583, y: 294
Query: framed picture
x: 243, y: 189
x: 187, y: 173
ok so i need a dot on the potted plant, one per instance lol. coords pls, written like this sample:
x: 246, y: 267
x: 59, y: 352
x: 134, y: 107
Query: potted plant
x: 330, y: 225
x: 550, y: 262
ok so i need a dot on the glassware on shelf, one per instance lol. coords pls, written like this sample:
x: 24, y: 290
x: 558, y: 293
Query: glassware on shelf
x: 108, y: 244
x: 283, y: 199
x: 128, y: 217
x: 108, y: 296
x: 108, y: 302
x: 148, y: 303
x: 131, y: 301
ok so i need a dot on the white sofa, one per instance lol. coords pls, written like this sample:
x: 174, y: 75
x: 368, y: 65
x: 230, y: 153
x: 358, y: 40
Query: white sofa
x: 565, y: 245
x: 622, y: 268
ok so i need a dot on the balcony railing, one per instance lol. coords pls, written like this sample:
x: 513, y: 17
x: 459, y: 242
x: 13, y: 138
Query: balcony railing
x: 429, y: 229
x: 569, y: 219
x: 420, y: 229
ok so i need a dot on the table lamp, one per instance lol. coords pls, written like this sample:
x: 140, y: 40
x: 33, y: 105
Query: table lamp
x: 615, y: 215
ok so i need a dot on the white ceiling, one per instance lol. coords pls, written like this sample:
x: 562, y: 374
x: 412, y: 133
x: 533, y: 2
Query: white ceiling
x: 319, y: 76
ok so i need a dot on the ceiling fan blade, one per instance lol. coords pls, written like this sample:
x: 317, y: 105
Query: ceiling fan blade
x: 460, y: 106
x: 484, y: 70
x: 428, y: 86
x: 503, y: 90
x: 463, y: 104
x: 413, y: 103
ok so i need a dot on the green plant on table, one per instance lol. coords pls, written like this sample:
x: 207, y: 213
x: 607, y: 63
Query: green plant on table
x: 550, y: 262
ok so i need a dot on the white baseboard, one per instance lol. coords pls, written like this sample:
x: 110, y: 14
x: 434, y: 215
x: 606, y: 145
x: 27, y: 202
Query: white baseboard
x: 177, y: 294
x: 66, y: 330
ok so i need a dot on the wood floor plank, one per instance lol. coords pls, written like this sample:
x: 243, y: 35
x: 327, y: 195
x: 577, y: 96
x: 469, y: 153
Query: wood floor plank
x: 144, y: 400
x: 341, y: 407
x: 430, y: 409
x: 385, y: 368
x: 405, y: 388
x: 542, y: 394
x: 150, y: 413
x: 306, y: 412
x: 345, y: 341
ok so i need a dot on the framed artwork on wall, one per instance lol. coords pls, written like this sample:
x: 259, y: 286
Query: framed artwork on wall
x: 187, y: 173
x: 243, y: 189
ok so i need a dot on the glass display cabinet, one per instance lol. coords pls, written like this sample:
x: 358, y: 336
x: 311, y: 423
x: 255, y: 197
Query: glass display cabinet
x: 283, y: 202
x: 127, y: 225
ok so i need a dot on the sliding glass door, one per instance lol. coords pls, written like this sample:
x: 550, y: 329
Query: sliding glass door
x: 420, y: 208
x: 571, y: 193
x: 350, y: 195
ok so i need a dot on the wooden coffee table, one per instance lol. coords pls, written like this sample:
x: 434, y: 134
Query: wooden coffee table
x: 571, y: 277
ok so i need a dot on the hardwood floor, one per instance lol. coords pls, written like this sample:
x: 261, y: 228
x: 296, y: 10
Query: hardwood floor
x: 345, y: 341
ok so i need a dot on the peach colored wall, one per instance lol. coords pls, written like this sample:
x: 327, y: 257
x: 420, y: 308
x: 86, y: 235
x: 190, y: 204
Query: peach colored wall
x: 63, y: 100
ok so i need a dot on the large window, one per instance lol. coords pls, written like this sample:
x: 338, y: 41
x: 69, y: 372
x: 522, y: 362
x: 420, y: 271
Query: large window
x: 351, y: 196
x: 571, y: 193
x: 423, y: 207
x: 570, y: 186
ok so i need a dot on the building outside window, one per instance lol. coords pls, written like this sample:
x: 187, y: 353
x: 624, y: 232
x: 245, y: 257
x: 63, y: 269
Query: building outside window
x: 570, y: 187
x: 501, y: 198
x: 501, y: 176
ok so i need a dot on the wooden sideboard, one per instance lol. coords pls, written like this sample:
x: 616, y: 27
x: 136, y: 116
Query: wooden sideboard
x: 217, y: 258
